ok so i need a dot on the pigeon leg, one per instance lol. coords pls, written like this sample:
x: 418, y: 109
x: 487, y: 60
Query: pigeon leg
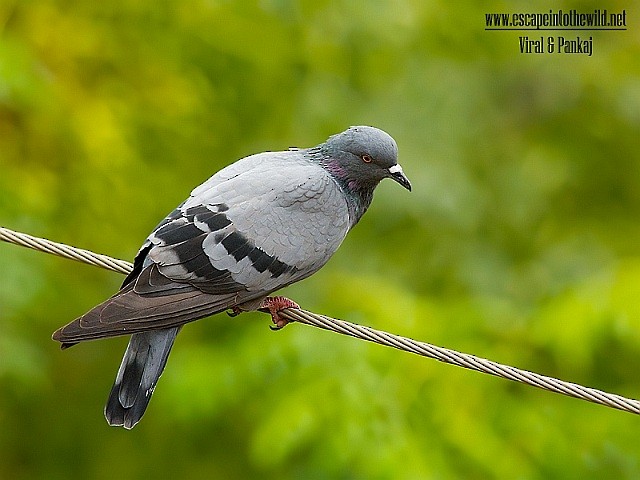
x: 273, y: 306
x: 234, y: 311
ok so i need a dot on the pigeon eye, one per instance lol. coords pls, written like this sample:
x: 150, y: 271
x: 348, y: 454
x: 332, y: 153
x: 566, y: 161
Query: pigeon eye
x: 366, y: 158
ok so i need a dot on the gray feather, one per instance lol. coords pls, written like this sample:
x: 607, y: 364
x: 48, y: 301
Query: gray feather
x: 141, y: 367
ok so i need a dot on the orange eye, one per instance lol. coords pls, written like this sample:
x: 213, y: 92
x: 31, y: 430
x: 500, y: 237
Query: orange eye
x: 366, y: 158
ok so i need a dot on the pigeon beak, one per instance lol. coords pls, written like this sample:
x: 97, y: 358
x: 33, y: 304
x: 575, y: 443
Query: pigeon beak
x: 398, y: 175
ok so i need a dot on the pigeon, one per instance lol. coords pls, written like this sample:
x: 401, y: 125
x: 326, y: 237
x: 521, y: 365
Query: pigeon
x: 256, y: 226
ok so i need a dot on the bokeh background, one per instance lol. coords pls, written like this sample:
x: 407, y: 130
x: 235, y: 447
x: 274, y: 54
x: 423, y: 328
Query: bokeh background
x: 519, y: 243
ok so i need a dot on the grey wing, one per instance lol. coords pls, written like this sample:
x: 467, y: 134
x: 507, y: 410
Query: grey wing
x: 265, y: 227
x: 258, y: 225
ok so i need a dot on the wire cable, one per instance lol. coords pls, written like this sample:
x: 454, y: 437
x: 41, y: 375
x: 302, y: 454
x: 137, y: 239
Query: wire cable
x: 424, y: 349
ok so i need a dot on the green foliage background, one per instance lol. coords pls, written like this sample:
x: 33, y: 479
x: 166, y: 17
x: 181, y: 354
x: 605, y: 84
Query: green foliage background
x: 519, y: 243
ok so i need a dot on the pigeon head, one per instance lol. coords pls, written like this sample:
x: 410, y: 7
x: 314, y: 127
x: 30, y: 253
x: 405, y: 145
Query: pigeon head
x: 359, y: 158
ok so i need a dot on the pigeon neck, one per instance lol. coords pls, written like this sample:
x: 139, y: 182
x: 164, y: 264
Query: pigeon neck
x: 357, y: 193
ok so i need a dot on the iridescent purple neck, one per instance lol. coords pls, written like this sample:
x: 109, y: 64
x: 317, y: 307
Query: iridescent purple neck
x: 357, y: 194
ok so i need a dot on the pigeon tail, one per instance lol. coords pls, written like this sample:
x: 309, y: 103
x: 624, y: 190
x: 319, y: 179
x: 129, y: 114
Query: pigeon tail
x: 141, y: 367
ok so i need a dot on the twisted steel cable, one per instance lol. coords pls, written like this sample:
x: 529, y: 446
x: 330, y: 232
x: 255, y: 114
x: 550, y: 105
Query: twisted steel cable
x: 66, y: 251
x: 424, y: 349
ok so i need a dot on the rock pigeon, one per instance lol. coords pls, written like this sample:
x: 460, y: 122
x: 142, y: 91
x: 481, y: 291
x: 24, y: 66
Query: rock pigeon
x: 258, y: 225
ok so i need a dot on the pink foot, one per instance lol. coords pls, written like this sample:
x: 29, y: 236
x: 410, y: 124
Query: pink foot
x: 273, y: 306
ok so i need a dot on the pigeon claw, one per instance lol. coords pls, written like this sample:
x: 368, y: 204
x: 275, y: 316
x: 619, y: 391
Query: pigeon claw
x: 234, y: 311
x: 273, y: 306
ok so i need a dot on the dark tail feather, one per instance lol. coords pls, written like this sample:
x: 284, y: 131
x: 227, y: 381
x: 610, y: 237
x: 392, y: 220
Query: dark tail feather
x: 141, y: 366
